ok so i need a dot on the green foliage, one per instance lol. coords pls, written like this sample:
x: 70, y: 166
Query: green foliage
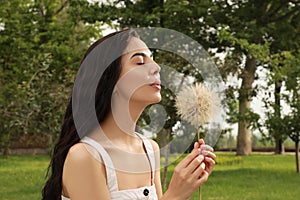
x: 285, y: 67
x: 42, y: 43
x: 226, y: 140
x: 41, y: 47
x: 292, y: 78
x: 259, y: 51
x: 261, y: 30
x: 242, y: 29
x: 284, y: 29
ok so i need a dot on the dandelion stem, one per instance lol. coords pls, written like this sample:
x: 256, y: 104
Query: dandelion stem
x: 199, y: 189
x: 200, y: 193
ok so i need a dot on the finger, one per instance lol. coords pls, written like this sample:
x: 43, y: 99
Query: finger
x: 206, y: 148
x: 196, y: 145
x: 186, y: 161
x: 210, y: 163
x: 194, y: 165
x: 202, y: 165
x: 203, y: 178
x: 197, y: 173
x: 209, y: 154
x: 201, y: 142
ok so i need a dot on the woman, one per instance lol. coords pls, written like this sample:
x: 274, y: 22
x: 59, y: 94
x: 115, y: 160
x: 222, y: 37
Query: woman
x: 110, y: 160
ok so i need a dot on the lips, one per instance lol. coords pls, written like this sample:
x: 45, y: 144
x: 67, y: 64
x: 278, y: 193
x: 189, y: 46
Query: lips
x: 156, y: 85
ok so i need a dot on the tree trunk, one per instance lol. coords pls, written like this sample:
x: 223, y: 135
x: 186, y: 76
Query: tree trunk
x: 6, y: 144
x: 244, y: 147
x: 166, y: 164
x: 163, y: 139
x: 279, y: 149
x: 297, y: 155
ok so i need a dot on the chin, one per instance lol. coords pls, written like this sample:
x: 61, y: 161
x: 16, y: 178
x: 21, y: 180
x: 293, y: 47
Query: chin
x: 148, y: 103
x: 147, y: 97
x: 156, y: 99
x: 151, y: 100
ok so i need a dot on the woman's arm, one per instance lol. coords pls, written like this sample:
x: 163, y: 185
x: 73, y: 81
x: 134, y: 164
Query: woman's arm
x: 84, y: 176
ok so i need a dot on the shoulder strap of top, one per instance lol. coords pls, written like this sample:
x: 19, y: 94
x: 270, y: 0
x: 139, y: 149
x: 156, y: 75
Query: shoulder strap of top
x: 150, y: 154
x: 109, y: 167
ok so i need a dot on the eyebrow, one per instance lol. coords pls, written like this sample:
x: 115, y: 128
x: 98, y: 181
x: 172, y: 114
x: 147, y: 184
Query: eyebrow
x: 141, y: 54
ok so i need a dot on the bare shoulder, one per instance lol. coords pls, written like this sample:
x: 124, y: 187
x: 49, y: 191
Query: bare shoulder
x: 156, y: 150
x: 154, y: 145
x: 82, y: 156
x: 78, y: 153
x: 83, y: 175
x: 83, y: 151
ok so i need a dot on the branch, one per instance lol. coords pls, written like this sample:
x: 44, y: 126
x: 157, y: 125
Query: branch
x: 61, y: 8
x: 267, y: 8
x: 296, y: 9
x: 41, y: 10
x: 36, y: 73
x: 277, y: 9
x: 27, y: 121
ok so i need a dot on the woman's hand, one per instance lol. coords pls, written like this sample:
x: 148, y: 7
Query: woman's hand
x: 188, y: 175
x: 207, y: 152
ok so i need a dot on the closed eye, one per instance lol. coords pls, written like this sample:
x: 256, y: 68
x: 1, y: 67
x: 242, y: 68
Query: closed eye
x: 140, y: 57
x: 138, y: 60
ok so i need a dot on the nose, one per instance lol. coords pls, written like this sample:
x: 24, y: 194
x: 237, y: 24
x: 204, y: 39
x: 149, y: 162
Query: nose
x: 155, y: 69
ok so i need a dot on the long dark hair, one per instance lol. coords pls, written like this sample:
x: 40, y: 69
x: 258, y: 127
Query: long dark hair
x: 69, y: 135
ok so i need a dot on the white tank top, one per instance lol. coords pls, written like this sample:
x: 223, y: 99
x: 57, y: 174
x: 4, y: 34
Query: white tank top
x: 142, y: 193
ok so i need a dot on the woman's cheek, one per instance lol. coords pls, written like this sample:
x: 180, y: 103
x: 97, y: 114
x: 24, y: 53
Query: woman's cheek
x: 132, y: 80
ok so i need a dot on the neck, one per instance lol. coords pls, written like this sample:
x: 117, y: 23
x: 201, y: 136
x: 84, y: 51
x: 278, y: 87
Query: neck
x: 120, y: 123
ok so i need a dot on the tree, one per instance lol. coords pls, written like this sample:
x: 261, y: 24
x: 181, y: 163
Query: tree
x: 292, y: 79
x: 250, y: 29
x: 285, y: 38
x: 41, y: 45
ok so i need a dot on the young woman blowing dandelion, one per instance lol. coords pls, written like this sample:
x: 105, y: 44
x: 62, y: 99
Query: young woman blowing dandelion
x: 95, y: 165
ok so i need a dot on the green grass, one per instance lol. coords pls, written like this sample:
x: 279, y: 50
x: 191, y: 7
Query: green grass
x: 266, y: 177
x: 22, y: 177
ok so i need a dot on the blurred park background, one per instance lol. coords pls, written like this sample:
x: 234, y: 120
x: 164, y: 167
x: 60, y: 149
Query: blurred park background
x: 255, y: 45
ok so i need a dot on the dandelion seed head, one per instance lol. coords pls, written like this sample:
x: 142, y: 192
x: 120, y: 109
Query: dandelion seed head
x: 195, y: 104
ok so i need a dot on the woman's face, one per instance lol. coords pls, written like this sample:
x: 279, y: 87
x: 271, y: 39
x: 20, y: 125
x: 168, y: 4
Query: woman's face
x: 139, y: 80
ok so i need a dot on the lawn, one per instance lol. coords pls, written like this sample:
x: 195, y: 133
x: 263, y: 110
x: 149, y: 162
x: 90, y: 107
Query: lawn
x: 236, y: 178
x: 22, y: 177
x: 265, y: 177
